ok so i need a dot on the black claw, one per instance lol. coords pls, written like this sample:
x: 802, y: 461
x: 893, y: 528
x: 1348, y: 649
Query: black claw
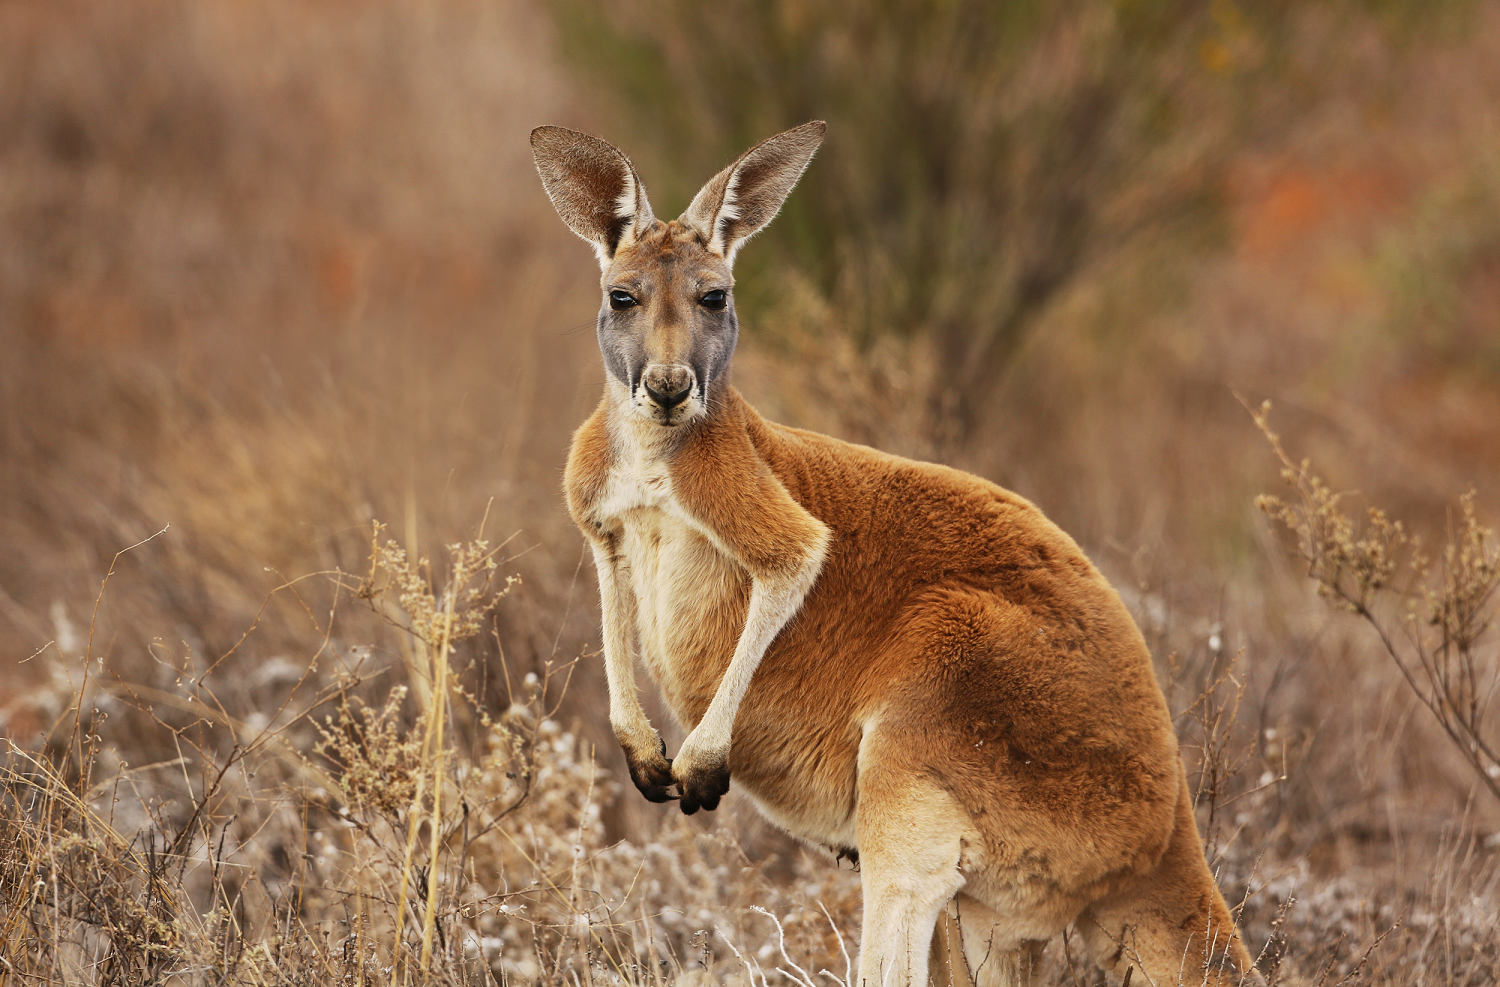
x: 652, y: 777
x: 704, y: 790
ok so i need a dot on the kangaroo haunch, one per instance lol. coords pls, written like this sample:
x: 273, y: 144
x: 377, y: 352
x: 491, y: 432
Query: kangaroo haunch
x: 889, y: 657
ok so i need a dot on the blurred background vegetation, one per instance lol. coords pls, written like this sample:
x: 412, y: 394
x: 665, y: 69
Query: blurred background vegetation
x: 269, y: 271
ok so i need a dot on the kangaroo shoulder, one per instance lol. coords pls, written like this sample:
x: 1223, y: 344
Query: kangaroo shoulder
x: 723, y: 480
x: 586, y: 477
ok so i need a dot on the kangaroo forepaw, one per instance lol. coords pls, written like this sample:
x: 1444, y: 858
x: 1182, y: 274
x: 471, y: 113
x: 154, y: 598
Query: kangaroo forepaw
x: 703, y: 784
x: 652, y: 773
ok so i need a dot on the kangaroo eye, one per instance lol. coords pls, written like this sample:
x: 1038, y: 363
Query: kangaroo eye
x: 619, y: 300
x: 715, y: 299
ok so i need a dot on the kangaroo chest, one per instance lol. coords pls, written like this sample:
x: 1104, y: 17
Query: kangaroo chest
x: 690, y: 599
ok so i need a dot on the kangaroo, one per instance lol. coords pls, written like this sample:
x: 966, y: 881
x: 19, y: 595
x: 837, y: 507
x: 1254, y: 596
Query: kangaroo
x: 891, y: 658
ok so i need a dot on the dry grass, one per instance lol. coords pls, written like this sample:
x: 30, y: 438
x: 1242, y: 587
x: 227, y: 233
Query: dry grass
x: 274, y: 270
x: 1431, y: 614
x: 314, y: 844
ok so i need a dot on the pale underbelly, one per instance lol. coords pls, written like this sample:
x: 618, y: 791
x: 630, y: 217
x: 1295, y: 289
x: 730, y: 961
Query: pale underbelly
x: 821, y: 814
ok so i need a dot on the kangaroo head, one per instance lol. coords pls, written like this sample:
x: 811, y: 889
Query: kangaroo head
x: 666, y: 326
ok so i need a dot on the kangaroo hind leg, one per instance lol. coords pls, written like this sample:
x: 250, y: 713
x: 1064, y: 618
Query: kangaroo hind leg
x: 1170, y: 924
x: 912, y: 836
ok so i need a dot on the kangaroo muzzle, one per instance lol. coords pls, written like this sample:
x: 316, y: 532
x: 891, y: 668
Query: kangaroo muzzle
x: 668, y: 384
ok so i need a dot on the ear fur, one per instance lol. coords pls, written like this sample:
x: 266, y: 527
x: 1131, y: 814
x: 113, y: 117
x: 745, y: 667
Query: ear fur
x: 740, y: 200
x: 593, y: 186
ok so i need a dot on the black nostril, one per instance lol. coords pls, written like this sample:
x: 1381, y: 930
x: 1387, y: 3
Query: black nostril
x: 669, y: 399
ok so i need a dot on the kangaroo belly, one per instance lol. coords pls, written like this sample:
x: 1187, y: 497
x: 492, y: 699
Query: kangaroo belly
x: 691, y: 603
x: 803, y: 780
x: 690, y: 606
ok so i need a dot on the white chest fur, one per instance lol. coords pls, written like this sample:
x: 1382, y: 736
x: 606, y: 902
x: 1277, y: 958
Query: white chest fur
x: 638, y: 477
x: 675, y: 574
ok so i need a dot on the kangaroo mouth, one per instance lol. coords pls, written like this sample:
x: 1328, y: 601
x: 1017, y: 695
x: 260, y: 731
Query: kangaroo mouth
x: 673, y: 417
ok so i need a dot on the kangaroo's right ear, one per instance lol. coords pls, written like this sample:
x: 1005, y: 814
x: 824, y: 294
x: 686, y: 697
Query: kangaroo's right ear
x: 594, y: 188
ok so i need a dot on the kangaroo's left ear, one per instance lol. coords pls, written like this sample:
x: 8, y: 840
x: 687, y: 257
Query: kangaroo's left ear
x: 747, y: 195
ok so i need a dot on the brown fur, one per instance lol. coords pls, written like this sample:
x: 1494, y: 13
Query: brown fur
x: 950, y: 687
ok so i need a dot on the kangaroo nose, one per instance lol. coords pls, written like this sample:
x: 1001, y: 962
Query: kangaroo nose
x: 669, y: 399
x: 668, y: 386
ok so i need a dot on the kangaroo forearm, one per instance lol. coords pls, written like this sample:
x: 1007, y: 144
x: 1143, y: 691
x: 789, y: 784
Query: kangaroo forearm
x: 639, y: 740
x: 617, y: 602
x: 773, y: 604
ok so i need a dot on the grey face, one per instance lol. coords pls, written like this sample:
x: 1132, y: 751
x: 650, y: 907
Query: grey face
x: 666, y: 325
